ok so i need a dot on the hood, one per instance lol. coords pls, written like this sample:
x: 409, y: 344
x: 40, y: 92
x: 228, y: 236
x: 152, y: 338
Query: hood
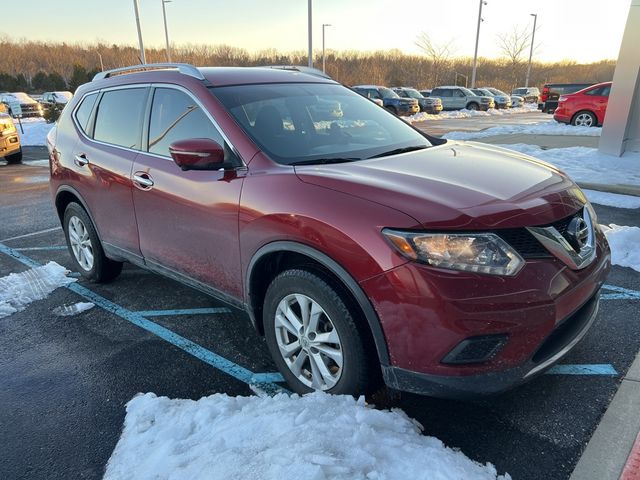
x: 461, y: 185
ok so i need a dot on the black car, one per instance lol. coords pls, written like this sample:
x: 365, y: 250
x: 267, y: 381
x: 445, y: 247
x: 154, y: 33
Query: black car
x: 390, y: 99
x: 431, y: 105
x: 552, y: 91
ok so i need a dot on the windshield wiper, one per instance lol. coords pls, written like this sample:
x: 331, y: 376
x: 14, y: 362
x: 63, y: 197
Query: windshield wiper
x: 321, y: 161
x: 401, y: 150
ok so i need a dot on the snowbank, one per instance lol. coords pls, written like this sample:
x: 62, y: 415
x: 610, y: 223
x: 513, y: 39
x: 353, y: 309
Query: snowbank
x: 464, y: 113
x: 17, y: 290
x: 35, y: 131
x: 625, y: 245
x: 587, y: 164
x: 314, y: 437
x: 550, y: 127
x: 612, y: 199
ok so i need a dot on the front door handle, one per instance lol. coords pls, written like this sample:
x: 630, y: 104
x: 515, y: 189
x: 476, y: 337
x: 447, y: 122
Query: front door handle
x: 80, y: 159
x: 143, y: 180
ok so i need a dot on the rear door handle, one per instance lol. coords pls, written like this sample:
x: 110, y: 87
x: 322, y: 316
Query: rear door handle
x: 80, y: 159
x: 143, y: 180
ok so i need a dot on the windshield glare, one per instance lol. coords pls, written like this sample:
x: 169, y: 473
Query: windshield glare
x: 495, y: 91
x: 468, y: 92
x: 388, y: 93
x: 295, y: 123
x: 412, y: 93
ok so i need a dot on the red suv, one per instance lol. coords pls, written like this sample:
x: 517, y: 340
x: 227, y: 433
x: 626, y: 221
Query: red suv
x: 359, y: 246
x: 585, y: 108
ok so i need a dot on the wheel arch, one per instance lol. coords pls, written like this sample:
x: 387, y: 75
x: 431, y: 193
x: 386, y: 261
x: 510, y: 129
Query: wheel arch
x: 66, y: 195
x: 275, y: 257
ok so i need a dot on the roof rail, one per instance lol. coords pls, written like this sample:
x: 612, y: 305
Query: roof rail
x: 184, y: 68
x: 301, y: 69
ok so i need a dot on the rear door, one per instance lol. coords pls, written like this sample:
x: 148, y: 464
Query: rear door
x: 187, y: 220
x: 598, y: 100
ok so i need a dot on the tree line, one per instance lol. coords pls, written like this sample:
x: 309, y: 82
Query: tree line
x: 38, y: 66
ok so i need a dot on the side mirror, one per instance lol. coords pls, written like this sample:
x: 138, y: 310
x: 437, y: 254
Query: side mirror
x: 197, y: 154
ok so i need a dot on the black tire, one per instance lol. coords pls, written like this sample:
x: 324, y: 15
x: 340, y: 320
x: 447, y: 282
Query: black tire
x: 357, y: 376
x: 472, y: 106
x: 14, y: 157
x: 103, y: 269
x: 584, y: 114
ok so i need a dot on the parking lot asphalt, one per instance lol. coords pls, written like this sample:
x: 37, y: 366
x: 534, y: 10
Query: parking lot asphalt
x: 66, y: 380
x: 440, y: 126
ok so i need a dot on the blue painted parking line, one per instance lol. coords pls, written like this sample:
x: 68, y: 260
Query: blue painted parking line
x: 30, y: 249
x: 182, y: 311
x: 620, y: 293
x: 267, y: 377
x: 207, y: 356
x: 583, y: 369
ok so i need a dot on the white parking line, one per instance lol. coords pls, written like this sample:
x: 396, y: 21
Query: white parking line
x: 31, y: 234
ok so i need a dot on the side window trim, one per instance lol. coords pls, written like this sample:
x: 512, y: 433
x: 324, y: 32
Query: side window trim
x: 88, y: 133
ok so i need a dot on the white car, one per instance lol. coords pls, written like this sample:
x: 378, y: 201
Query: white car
x: 517, y: 101
x: 56, y: 98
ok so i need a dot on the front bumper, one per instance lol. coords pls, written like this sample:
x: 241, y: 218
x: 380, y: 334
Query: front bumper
x: 407, y: 109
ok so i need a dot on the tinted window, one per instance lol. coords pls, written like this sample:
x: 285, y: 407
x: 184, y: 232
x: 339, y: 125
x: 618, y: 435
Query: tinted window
x: 176, y: 116
x: 84, y: 111
x: 119, y: 117
x: 441, y: 93
x: 602, y: 91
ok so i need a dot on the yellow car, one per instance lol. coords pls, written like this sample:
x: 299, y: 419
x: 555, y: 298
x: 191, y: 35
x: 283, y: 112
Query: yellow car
x: 10, y: 147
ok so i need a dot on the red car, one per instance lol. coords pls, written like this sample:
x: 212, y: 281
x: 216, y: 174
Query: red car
x: 359, y: 246
x: 585, y: 108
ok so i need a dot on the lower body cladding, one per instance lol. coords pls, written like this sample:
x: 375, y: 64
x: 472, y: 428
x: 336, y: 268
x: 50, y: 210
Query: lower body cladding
x: 456, y: 335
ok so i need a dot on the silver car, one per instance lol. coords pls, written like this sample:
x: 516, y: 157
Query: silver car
x: 457, y: 98
x: 502, y: 99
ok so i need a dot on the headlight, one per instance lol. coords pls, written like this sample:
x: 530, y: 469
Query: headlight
x: 469, y: 252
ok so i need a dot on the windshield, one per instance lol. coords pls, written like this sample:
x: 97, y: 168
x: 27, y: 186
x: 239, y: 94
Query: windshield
x: 63, y: 95
x: 468, y: 92
x: 412, y: 93
x: 520, y: 91
x: 495, y: 91
x: 308, y: 122
x: 388, y: 93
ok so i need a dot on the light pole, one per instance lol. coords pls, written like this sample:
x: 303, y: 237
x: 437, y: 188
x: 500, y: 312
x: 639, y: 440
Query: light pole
x: 101, y: 62
x: 475, y: 54
x: 323, y: 62
x: 166, y: 30
x: 533, y: 37
x: 310, y: 29
x: 135, y: 8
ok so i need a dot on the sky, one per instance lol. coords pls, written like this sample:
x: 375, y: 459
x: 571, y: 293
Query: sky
x: 580, y: 30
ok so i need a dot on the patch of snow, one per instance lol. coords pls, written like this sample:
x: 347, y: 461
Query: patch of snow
x: 74, y: 309
x: 612, y: 199
x: 587, y: 164
x: 625, y: 245
x: 314, y: 437
x: 37, y: 163
x: 35, y: 131
x: 464, y: 113
x: 17, y: 290
x: 550, y: 127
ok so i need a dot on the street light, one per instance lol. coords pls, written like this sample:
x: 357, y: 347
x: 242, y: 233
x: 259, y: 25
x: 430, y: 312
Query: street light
x: 533, y: 37
x: 323, y: 62
x: 135, y: 8
x: 475, y: 54
x: 310, y: 30
x: 166, y: 30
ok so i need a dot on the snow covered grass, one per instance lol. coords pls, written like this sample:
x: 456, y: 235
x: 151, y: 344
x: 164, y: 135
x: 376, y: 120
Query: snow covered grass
x: 17, y: 290
x: 612, y: 199
x: 35, y: 131
x: 550, y: 127
x: 313, y: 437
x: 625, y: 245
x: 464, y: 113
x: 587, y: 164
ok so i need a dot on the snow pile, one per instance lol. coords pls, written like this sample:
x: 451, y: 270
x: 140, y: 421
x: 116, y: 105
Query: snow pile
x: 464, y: 113
x: 625, y: 245
x: 35, y: 131
x: 587, y: 164
x: 17, y: 290
x: 550, y: 127
x: 612, y: 199
x: 74, y: 309
x: 314, y: 437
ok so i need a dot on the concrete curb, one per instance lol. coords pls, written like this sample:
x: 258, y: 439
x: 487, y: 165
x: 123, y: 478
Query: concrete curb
x: 612, y: 188
x: 612, y: 442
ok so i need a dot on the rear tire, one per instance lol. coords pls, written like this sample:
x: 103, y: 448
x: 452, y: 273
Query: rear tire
x: 322, y: 350
x: 584, y: 118
x: 14, y: 157
x: 472, y: 106
x: 85, y: 247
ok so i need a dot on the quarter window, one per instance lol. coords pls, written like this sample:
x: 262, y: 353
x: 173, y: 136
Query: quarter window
x: 176, y: 116
x: 84, y: 110
x: 119, y: 117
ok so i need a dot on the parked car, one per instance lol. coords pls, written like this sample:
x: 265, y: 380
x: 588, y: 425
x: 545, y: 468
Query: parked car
x: 362, y: 248
x: 431, y: 105
x: 552, y: 91
x: 10, y: 148
x: 390, y: 99
x: 456, y: 98
x: 425, y: 93
x: 30, y: 108
x: 530, y: 94
x: 584, y: 108
x: 501, y: 99
x: 517, y: 101
x: 55, y: 98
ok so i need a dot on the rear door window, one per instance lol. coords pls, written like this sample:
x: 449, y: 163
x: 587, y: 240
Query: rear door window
x: 119, y: 117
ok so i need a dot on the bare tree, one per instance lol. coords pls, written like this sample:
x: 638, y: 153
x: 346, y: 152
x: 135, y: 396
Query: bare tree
x: 514, y: 46
x: 439, y: 53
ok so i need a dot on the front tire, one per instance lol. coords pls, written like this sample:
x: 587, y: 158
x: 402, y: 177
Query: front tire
x: 313, y: 336
x: 14, y: 157
x: 85, y: 247
x: 584, y: 119
x: 472, y: 106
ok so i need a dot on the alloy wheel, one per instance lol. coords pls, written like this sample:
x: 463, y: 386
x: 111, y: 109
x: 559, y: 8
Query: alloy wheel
x: 80, y: 243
